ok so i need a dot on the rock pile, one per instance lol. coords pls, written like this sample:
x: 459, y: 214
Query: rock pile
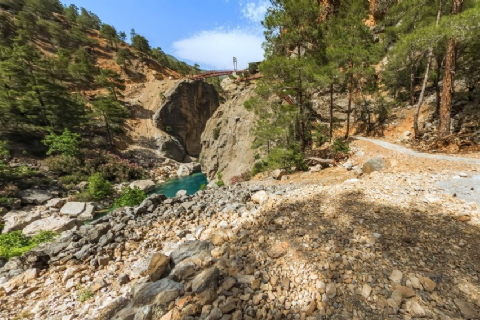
x: 386, y: 245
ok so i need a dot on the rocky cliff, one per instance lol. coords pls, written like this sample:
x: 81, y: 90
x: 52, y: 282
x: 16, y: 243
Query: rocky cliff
x: 227, y: 139
x: 184, y: 114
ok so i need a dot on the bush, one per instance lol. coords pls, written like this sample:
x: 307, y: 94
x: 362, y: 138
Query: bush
x: 286, y: 158
x: 220, y: 182
x: 63, y: 164
x: 68, y: 143
x: 241, y: 178
x: 15, y: 244
x: 216, y: 133
x: 340, y: 146
x: 259, y: 166
x: 99, y: 188
x: 130, y: 197
x: 203, y: 186
x: 113, y: 168
x: 84, y: 294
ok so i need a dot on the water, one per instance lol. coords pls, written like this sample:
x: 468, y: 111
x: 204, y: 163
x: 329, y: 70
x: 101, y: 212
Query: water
x: 191, y: 184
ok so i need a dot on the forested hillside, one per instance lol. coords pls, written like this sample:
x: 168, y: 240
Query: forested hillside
x: 381, y: 58
x: 63, y: 73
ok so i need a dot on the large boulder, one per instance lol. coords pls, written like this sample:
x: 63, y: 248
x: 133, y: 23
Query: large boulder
x: 374, y: 164
x: 80, y: 210
x: 154, y: 266
x: 191, y: 249
x: 189, y: 168
x: 34, y: 196
x: 170, y: 146
x: 160, y: 292
x: 17, y: 220
x: 144, y: 185
x: 55, y: 224
x: 278, y: 174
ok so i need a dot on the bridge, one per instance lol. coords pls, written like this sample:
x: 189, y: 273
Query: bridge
x: 213, y: 74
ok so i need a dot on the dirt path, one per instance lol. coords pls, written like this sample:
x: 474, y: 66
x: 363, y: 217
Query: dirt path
x: 397, y: 148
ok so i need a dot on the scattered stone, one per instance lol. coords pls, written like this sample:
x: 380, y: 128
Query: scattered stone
x: 277, y: 250
x: 279, y: 173
x: 396, y: 276
x: 260, y: 197
x: 154, y: 266
x: 54, y: 224
x: 467, y: 309
x: 428, y: 284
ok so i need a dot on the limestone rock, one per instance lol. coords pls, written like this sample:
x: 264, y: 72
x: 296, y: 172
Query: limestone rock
x: 191, y: 249
x: 55, y: 224
x: 206, y: 279
x: 144, y: 185
x: 371, y: 165
x: 170, y: 146
x: 227, y: 138
x: 278, y: 174
x: 467, y: 309
x: 161, y: 292
x: 260, y: 197
x: 34, y: 196
x: 80, y: 210
x: 55, y: 203
x: 414, y: 309
x: 277, y: 250
x: 396, y: 276
x: 185, y: 112
x: 17, y: 220
x: 154, y: 266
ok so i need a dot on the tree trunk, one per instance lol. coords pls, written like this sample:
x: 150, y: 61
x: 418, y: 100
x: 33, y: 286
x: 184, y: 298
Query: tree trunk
x: 449, y: 79
x: 447, y: 89
x: 416, y: 129
x: 349, y: 109
x: 331, y: 112
x: 439, y: 61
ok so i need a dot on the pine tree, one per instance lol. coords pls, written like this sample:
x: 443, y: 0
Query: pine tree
x: 111, y: 114
x: 110, y: 34
x: 112, y: 81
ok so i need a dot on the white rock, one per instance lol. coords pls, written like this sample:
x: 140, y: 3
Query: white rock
x: 260, y: 197
x: 144, y: 185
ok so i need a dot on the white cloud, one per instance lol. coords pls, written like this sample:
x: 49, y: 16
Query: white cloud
x: 216, y: 48
x: 255, y: 10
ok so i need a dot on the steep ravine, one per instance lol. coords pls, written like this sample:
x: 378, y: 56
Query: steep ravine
x: 183, y: 114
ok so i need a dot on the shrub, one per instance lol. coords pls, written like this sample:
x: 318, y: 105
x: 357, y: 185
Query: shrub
x: 258, y: 167
x: 203, y: 186
x: 68, y: 143
x: 63, y: 164
x: 340, y: 146
x: 216, y: 133
x: 220, y: 182
x: 84, y: 294
x: 286, y: 158
x: 99, y: 188
x: 113, y: 168
x: 241, y: 178
x: 130, y: 197
x: 15, y: 244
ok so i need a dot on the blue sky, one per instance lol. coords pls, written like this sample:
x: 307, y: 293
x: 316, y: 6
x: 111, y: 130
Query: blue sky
x: 207, y: 32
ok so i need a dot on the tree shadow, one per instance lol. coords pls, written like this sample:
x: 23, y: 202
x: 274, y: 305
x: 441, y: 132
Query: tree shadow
x: 351, y: 240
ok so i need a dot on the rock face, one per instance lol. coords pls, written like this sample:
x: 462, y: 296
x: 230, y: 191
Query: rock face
x: 79, y: 210
x: 17, y: 220
x: 227, y: 139
x: 35, y: 196
x: 184, y: 114
x: 55, y: 224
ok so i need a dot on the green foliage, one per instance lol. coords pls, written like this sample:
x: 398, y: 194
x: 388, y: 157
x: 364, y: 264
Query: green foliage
x: 67, y: 144
x: 130, y: 197
x: 220, y: 182
x: 216, y: 133
x: 85, y: 294
x: 286, y: 158
x: 339, y: 145
x: 99, y: 188
x: 258, y: 167
x: 109, y: 33
x: 111, y: 114
x: 63, y: 164
x: 203, y: 186
x: 15, y: 244
x: 141, y: 44
x: 169, y: 130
